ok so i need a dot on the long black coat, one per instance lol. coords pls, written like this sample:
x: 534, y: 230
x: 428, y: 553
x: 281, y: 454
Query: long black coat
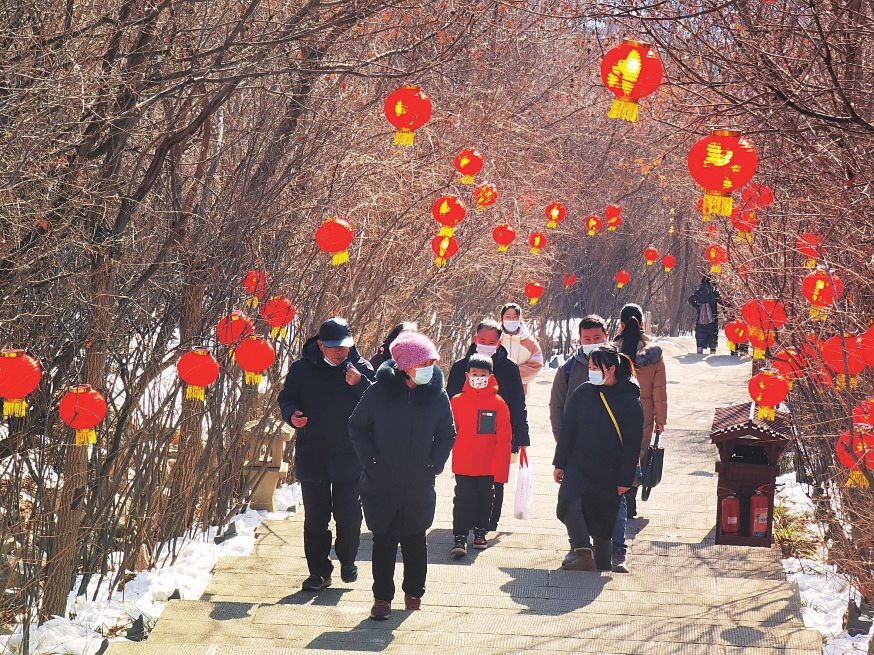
x: 323, y: 451
x: 403, y: 438
x: 588, y: 449
x: 510, y: 388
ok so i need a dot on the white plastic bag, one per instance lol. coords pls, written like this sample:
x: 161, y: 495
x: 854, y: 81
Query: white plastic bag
x: 524, y: 488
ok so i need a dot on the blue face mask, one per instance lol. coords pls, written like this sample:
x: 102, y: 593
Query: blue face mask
x: 596, y: 377
x: 423, y: 375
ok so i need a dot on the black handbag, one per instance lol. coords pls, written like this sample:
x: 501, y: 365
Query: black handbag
x: 653, y: 462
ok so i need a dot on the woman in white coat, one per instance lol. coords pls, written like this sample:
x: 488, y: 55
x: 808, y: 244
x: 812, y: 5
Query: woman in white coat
x: 521, y: 347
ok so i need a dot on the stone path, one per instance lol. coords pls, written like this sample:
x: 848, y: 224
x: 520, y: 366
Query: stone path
x: 684, y: 595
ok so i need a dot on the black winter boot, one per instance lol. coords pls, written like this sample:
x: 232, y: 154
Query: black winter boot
x: 603, y: 554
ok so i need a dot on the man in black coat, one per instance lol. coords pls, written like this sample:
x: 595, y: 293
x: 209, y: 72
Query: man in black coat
x: 706, y: 301
x: 321, y: 390
x: 487, y: 341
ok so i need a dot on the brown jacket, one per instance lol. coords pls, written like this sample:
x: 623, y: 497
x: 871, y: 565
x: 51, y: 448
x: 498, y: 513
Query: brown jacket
x: 650, y: 371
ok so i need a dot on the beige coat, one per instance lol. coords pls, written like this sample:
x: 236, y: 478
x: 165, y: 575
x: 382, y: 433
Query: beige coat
x: 525, y: 352
x: 650, y: 371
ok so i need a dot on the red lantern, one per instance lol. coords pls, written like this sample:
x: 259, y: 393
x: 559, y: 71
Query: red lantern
x: 761, y: 340
x: 717, y: 255
x: 278, y: 312
x: 334, y: 236
x: 533, y: 291
x: 768, y: 389
x: 736, y: 332
x: 612, y: 214
x: 527, y: 201
x: 821, y: 289
x: 866, y: 341
x: 255, y: 283
x: 407, y: 109
x: 863, y: 413
x: 468, y: 162
x: 809, y: 244
x: 449, y: 211
x: 485, y: 195
x: 669, y: 261
x: 593, y: 224
x: 856, y: 449
x: 757, y: 196
x: 630, y: 71
x: 622, y: 278
x: 504, y: 235
x: 568, y: 279
x: 231, y: 329
x: 255, y: 355
x: 444, y: 247
x: 19, y: 376
x: 555, y: 213
x: 198, y: 369
x: 744, y: 222
x: 789, y: 364
x: 82, y: 408
x: 833, y: 351
x: 651, y: 255
x: 536, y: 240
x: 720, y: 163
x: 767, y: 313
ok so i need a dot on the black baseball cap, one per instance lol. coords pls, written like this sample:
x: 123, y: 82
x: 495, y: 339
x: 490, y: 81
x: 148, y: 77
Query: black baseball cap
x: 335, y: 332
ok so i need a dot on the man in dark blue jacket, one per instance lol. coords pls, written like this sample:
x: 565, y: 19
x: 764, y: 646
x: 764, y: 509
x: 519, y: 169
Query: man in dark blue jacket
x: 487, y: 341
x: 321, y: 390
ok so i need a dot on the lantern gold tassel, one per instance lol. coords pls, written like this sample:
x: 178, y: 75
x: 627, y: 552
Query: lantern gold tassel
x: 16, y: 407
x: 758, y: 353
x: 467, y: 179
x: 857, y: 479
x: 624, y: 109
x: 818, y: 313
x: 716, y: 268
x: 85, y: 437
x: 340, y: 258
x: 532, y: 301
x: 447, y: 231
x: 766, y: 413
x: 253, y: 378
x: 404, y: 137
x: 440, y: 262
x: 716, y: 203
x: 503, y: 248
x: 194, y: 393
x: 732, y: 346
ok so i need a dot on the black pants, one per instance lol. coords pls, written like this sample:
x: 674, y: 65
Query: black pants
x: 414, y: 551
x: 592, y: 516
x: 472, y: 506
x: 497, y: 503
x: 707, y: 336
x: 320, y: 500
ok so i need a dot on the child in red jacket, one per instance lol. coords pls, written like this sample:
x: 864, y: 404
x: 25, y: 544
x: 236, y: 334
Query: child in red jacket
x: 481, y: 454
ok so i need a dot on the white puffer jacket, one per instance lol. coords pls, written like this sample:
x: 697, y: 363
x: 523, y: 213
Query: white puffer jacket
x: 525, y: 352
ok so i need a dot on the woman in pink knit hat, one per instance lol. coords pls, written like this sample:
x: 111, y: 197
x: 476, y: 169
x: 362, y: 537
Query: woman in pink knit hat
x: 403, y: 433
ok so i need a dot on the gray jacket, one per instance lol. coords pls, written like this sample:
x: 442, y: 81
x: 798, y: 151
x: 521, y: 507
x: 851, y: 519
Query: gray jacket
x: 568, y: 377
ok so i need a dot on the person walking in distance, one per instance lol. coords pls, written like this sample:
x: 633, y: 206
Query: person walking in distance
x: 706, y: 301
x: 521, y: 347
x: 403, y: 433
x: 321, y: 390
x: 487, y: 341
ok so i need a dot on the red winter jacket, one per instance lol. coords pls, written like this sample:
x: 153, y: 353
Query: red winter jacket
x: 484, y: 435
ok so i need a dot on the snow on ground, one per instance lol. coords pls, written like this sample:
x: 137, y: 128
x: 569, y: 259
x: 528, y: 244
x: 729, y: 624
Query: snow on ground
x: 146, y: 594
x: 824, y: 592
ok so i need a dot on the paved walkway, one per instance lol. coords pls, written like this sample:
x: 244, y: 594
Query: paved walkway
x: 684, y: 596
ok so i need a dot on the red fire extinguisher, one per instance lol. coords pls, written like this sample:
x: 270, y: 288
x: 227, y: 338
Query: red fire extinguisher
x: 759, y: 513
x: 730, y: 510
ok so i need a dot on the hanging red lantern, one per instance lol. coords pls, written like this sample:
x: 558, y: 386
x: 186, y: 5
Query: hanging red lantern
x: 761, y: 340
x: 613, y: 217
x: 717, y: 255
x: 278, y: 312
x: 555, y: 213
x: 468, y: 162
x: 255, y: 284
x: 757, y: 196
x: 504, y: 235
x: 334, y: 236
x: 720, y: 163
x: 533, y: 291
x: 630, y: 71
x: 536, y: 240
x: 768, y: 389
x: 651, y: 255
x: 20, y: 375
x: 593, y: 224
x: 744, y: 221
x: 833, y: 351
x: 255, y: 355
x: 669, y: 261
x: 82, y: 408
x: 852, y: 450
x: 822, y: 289
x: 527, y: 201
x: 233, y: 328
x: 866, y: 342
x: 568, y: 279
x: 622, y: 278
x: 809, y: 244
x: 767, y: 313
x: 407, y: 109
x: 736, y: 333
x: 863, y: 413
x: 444, y: 247
x: 485, y: 194
x: 449, y: 211
x: 198, y: 369
x: 789, y: 364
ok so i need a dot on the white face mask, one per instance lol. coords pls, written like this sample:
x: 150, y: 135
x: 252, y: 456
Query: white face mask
x: 329, y: 362
x: 596, y: 377
x: 483, y: 349
x: 478, y: 383
x: 589, y: 347
x: 512, y: 326
x: 423, y: 375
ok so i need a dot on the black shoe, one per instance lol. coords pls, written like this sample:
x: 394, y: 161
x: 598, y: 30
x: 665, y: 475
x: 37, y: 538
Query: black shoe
x: 460, y: 547
x: 349, y: 573
x: 479, y: 540
x: 316, y: 583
